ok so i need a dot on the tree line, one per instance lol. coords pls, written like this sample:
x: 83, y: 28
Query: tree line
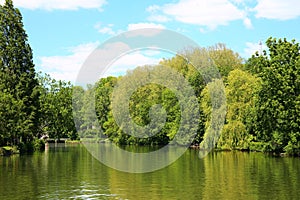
x: 31, y: 104
x: 262, y: 100
x: 262, y: 96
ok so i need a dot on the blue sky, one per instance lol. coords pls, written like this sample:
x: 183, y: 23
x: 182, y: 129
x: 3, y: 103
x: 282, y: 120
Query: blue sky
x: 62, y: 33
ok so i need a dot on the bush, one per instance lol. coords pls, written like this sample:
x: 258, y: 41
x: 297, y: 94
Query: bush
x: 29, y: 147
x: 25, y: 147
x: 39, y: 145
x: 257, y: 146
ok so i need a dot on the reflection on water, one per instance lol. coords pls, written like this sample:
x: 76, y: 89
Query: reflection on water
x: 70, y: 172
x: 134, y: 159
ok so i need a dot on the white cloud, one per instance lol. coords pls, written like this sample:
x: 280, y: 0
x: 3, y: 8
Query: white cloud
x: 238, y: 1
x: 277, y: 9
x: 153, y: 29
x: 131, y: 61
x: 105, y: 29
x: 153, y: 8
x: 248, y: 23
x: 59, y: 4
x: 67, y: 67
x: 158, y: 18
x: 155, y: 17
x: 203, y: 30
x: 252, y: 48
x: 136, y: 26
x: 108, y: 29
x: 210, y: 13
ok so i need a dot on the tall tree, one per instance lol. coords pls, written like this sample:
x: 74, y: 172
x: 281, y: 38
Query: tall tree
x: 17, y: 79
x: 278, y: 117
x: 241, y: 96
x: 213, y: 104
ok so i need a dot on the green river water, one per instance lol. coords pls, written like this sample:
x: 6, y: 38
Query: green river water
x: 71, y: 172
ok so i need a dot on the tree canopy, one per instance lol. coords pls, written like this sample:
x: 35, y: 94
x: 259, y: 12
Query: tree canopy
x: 278, y: 118
x: 19, y: 87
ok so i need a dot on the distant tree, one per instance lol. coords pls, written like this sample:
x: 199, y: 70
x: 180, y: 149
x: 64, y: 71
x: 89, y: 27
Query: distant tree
x: 103, y: 91
x: 19, y: 106
x: 56, y: 107
x: 225, y: 59
x: 90, y: 127
x: 78, y: 95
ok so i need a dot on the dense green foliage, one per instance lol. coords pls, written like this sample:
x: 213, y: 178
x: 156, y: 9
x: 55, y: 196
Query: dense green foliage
x: 277, y: 123
x: 140, y: 103
x: 30, y: 106
x: 85, y: 118
x: 145, y: 97
x: 241, y: 94
x: 56, y: 107
x: 19, y: 90
x: 262, y: 99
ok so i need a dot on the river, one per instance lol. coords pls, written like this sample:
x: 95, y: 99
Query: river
x: 71, y: 172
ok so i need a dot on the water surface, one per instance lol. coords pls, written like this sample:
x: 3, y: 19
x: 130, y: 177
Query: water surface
x: 70, y: 172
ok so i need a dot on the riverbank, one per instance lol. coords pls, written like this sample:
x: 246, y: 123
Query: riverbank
x: 72, y: 141
x: 255, y: 147
x: 8, y: 150
x: 12, y: 150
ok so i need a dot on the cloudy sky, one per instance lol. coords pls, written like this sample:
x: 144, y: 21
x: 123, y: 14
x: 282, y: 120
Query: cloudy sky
x: 62, y: 33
